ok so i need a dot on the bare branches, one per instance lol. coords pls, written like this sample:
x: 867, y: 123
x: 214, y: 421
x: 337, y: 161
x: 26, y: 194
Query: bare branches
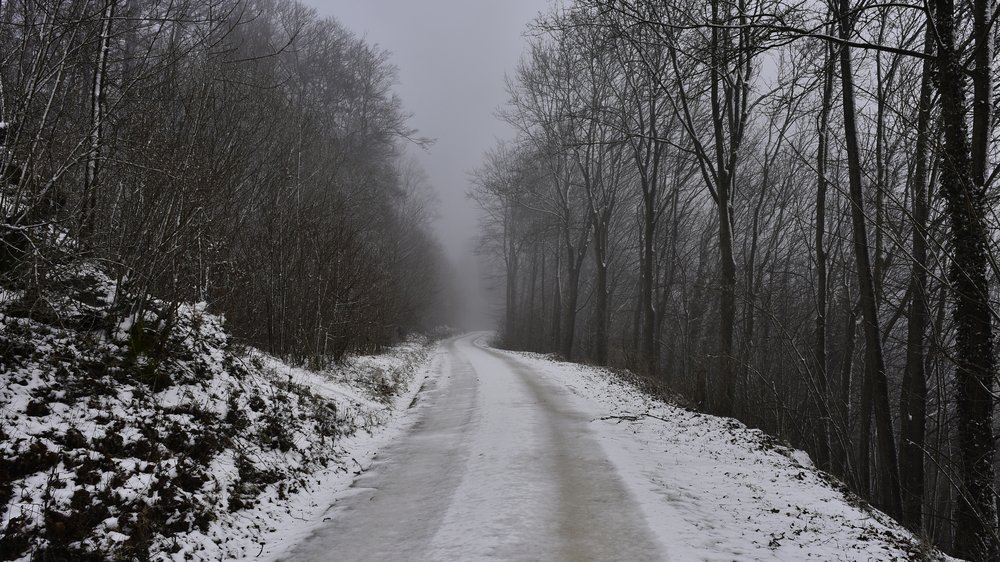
x: 240, y: 153
x: 765, y: 192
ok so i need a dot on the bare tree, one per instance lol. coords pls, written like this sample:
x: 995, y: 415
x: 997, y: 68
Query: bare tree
x: 963, y: 183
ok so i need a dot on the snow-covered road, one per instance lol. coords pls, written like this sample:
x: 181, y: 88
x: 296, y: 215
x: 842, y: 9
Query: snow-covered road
x: 514, y: 456
x: 500, y: 465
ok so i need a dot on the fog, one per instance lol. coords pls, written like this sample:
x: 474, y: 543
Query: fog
x: 452, y: 57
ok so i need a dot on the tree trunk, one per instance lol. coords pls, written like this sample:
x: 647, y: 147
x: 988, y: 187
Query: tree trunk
x: 510, y: 326
x: 601, y: 293
x: 648, y: 342
x: 575, y: 255
x: 722, y: 112
x: 844, y: 402
x: 557, y: 304
x: 913, y: 395
x: 962, y: 185
x: 97, y: 102
x: 888, y: 470
x: 569, y: 312
x: 819, y: 351
x: 727, y: 302
x: 542, y: 336
x: 532, y: 336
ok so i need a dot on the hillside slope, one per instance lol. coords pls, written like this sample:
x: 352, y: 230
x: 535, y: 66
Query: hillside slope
x: 155, y: 436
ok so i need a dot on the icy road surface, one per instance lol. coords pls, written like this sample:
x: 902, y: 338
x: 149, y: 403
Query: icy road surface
x: 516, y: 457
x: 500, y: 466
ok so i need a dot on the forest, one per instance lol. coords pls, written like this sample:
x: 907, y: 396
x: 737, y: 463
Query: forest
x: 244, y: 153
x: 778, y: 211
x: 784, y: 212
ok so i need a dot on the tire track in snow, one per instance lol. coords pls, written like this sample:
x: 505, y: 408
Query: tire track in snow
x: 499, y: 466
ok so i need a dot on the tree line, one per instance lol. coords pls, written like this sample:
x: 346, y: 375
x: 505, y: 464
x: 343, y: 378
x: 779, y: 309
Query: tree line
x: 781, y: 212
x: 246, y: 153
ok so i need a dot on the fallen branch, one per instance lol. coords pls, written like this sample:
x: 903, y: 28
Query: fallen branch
x: 632, y: 417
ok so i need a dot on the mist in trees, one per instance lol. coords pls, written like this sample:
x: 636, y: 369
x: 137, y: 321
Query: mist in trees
x: 246, y: 153
x: 777, y: 211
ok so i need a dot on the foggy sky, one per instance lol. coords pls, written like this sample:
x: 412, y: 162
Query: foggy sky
x: 452, y: 56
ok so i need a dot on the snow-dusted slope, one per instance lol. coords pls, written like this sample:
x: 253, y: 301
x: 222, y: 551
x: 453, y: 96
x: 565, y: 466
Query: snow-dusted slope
x: 153, y: 437
x: 271, y: 530
x: 712, y: 489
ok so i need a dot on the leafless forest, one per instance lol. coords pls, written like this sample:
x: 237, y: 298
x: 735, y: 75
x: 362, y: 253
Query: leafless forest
x: 781, y: 211
x: 248, y: 154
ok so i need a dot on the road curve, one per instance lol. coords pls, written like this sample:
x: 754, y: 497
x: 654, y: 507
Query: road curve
x: 499, y: 466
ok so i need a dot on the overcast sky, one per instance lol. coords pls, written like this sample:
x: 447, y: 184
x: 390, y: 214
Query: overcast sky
x: 452, y: 56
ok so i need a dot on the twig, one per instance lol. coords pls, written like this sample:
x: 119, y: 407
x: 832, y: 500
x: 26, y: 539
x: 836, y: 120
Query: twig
x: 633, y: 417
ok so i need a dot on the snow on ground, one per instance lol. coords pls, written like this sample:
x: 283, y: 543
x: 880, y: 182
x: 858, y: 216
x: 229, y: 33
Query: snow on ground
x: 713, y: 489
x: 496, y: 468
x: 152, y: 437
x: 288, y: 522
x: 207, y: 453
